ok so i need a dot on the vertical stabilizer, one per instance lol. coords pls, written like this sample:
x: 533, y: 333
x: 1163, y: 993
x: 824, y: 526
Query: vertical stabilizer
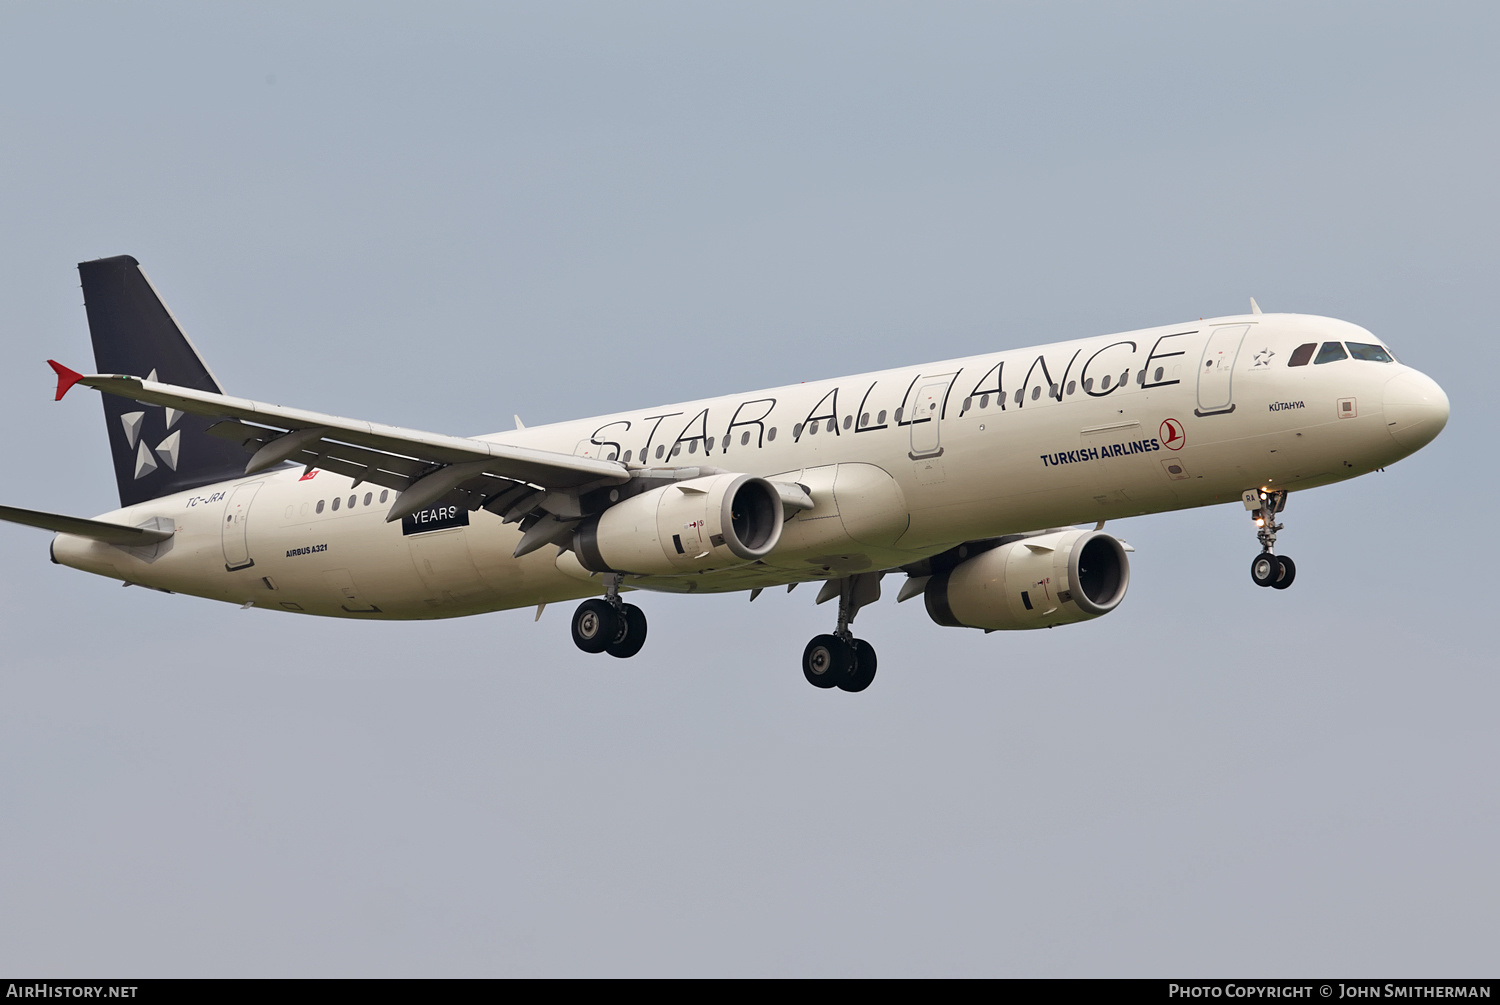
x: 156, y: 450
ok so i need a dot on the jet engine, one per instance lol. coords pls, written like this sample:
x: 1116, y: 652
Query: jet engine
x: 1055, y: 578
x: 698, y: 525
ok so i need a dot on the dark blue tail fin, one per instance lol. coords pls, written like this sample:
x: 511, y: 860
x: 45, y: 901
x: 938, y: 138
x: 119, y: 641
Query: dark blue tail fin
x: 157, y: 451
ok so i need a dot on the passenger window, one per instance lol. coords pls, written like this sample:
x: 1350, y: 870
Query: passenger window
x: 771, y: 433
x: 320, y: 505
x: 1331, y: 352
x: 627, y: 455
x: 1302, y: 354
x: 368, y: 498
x: 335, y: 505
x: 383, y: 494
x: 351, y: 501
x: 1373, y: 353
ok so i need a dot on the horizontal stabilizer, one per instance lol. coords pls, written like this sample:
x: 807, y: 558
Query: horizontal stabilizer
x: 109, y: 533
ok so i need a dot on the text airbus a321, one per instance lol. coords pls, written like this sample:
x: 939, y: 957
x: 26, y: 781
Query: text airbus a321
x: 963, y: 476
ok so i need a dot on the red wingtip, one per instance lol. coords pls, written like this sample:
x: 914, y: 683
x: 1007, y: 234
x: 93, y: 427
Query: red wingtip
x: 65, y: 378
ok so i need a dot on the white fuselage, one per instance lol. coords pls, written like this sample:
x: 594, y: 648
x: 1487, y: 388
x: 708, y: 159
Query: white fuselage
x: 901, y: 464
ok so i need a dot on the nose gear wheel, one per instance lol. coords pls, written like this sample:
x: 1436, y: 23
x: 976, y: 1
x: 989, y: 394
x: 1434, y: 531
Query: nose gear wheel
x: 1269, y: 568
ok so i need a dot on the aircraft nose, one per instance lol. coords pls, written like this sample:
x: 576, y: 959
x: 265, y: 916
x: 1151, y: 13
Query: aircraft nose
x: 1416, y: 409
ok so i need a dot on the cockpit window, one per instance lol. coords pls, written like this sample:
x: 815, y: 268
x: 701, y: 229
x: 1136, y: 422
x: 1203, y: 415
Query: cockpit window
x: 1302, y: 354
x: 1331, y: 352
x: 1373, y: 353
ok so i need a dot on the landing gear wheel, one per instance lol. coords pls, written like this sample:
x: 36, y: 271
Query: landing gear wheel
x: 827, y: 661
x: 1265, y: 569
x: 864, y: 667
x: 632, y: 633
x: 1268, y: 568
x: 1286, y: 572
x: 595, y: 625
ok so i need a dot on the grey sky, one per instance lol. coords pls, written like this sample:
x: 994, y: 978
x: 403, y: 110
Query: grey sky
x: 440, y: 216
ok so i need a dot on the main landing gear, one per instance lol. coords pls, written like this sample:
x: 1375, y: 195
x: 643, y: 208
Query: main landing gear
x: 609, y: 625
x: 1268, y: 568
x: 840, y: 660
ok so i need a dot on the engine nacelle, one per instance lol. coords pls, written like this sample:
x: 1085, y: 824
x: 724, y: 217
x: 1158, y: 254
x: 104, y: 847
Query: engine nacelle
x: 1055, y: 578
x: 697, y: 525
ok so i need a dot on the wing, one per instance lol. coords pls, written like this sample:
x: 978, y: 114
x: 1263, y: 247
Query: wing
x: 541, y: 488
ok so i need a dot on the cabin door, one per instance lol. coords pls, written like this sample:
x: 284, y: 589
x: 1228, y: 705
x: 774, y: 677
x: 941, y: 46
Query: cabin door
x: 237, y: 525
x: 1216, y: 370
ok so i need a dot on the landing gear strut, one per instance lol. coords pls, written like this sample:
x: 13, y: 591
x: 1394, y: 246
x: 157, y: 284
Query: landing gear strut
x: 840, y: 660
x: 609, y: 625
x: 1269, y: 568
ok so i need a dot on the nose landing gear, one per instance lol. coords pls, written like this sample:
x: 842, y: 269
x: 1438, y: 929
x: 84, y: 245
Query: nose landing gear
x: 609, y: 625
x: 1268, y: 568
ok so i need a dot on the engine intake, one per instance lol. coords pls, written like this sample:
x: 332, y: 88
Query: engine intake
x: 1055, y: 578
x: 697, y: 525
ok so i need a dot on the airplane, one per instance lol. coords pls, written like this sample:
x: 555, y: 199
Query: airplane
x: 967, y: 476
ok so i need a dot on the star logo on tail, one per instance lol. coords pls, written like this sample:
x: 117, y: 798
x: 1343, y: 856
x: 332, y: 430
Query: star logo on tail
x: 165, y: 453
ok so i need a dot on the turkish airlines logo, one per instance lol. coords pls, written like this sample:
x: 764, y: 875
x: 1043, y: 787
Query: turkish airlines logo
x: 166, y: 452
x: 1172, y: 435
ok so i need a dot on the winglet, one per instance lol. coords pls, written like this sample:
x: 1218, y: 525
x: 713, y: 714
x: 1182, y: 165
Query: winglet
x: 1254, y: 307
x: 65, y: 378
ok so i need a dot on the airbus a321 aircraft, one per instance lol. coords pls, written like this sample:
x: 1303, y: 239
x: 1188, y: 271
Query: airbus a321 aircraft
x: 963, y: 476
